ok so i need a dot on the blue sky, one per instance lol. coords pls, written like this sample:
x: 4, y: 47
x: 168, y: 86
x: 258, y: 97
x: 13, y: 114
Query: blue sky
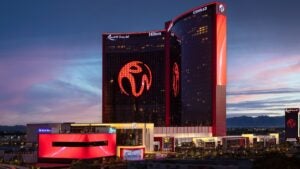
x: 50, y: 54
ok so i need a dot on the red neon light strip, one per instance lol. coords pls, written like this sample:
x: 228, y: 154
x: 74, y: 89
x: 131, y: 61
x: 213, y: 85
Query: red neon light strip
x: 221, y: 50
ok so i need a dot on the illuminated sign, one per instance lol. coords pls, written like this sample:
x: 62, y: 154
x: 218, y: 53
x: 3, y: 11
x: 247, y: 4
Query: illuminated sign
x: 221, y: 8
x: 292, y: 109
x: 130, y: 71
x: 114, y: 37
x: 291, y: 123
x: 154, y: 33
x: 44, y: 130
x: 200, y: 10
x: 76, y: 146
x: 136, y: 154
x: 175, y: 79
x: 112, y: 130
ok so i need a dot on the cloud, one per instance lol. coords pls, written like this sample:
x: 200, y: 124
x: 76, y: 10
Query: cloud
x: 266, y: 91
x: 268, y: 102
x: 54, y: 102
x: 262, y: 104
x: 60, y: 113
x: 18, y: 76
x: 264, y: 85
x: 263, y: 68
x: 84, y: 74
x: 279, y: 73
x: 50, y: 85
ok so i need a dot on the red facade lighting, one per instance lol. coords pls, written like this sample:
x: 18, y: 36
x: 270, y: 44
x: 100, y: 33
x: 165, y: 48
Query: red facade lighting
x: 291, y: 123
x: 221, y: 49
x: 128, y: 71
x: 175, y: 79
x: 219, y: 86
x: 76, y: 146
x: 201, y: 35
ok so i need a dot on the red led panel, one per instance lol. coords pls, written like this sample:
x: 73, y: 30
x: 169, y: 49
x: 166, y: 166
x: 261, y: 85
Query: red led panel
x: 128, y: 71
x: 48, y: 149
x: 219, y: 88
x: 221, y: 50
x: 175, y: 79
x: 291, y: 123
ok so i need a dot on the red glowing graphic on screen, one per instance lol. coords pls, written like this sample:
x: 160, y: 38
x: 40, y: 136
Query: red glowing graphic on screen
x: 130, y: 72
x: 291, y: 123
x: 48, y: 149
x: 175, y: 81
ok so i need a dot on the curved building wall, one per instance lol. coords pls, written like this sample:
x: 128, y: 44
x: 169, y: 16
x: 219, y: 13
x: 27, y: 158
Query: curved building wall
x: 201, y: 39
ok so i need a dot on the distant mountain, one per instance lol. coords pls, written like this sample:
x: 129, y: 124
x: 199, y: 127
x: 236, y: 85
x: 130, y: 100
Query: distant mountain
x: 11, y: 129
x: 260, y: 121
x: 233, y: 122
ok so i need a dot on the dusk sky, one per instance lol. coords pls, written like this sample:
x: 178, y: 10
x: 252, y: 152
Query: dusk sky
x: 51, y: 54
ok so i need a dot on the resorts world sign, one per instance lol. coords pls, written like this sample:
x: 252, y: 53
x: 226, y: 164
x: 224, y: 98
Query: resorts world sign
x: 175, y: 79
x: 131, y: 71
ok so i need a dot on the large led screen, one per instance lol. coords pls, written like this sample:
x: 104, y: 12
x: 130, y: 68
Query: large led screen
x: 76, y: 146
x: 133, y: 78
x: 291, y: 123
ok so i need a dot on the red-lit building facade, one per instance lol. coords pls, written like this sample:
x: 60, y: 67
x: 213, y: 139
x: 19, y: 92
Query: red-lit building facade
x: 292, y: 124
x: 172, y: 77
x: 64, y: 147
x: 133, y: 77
